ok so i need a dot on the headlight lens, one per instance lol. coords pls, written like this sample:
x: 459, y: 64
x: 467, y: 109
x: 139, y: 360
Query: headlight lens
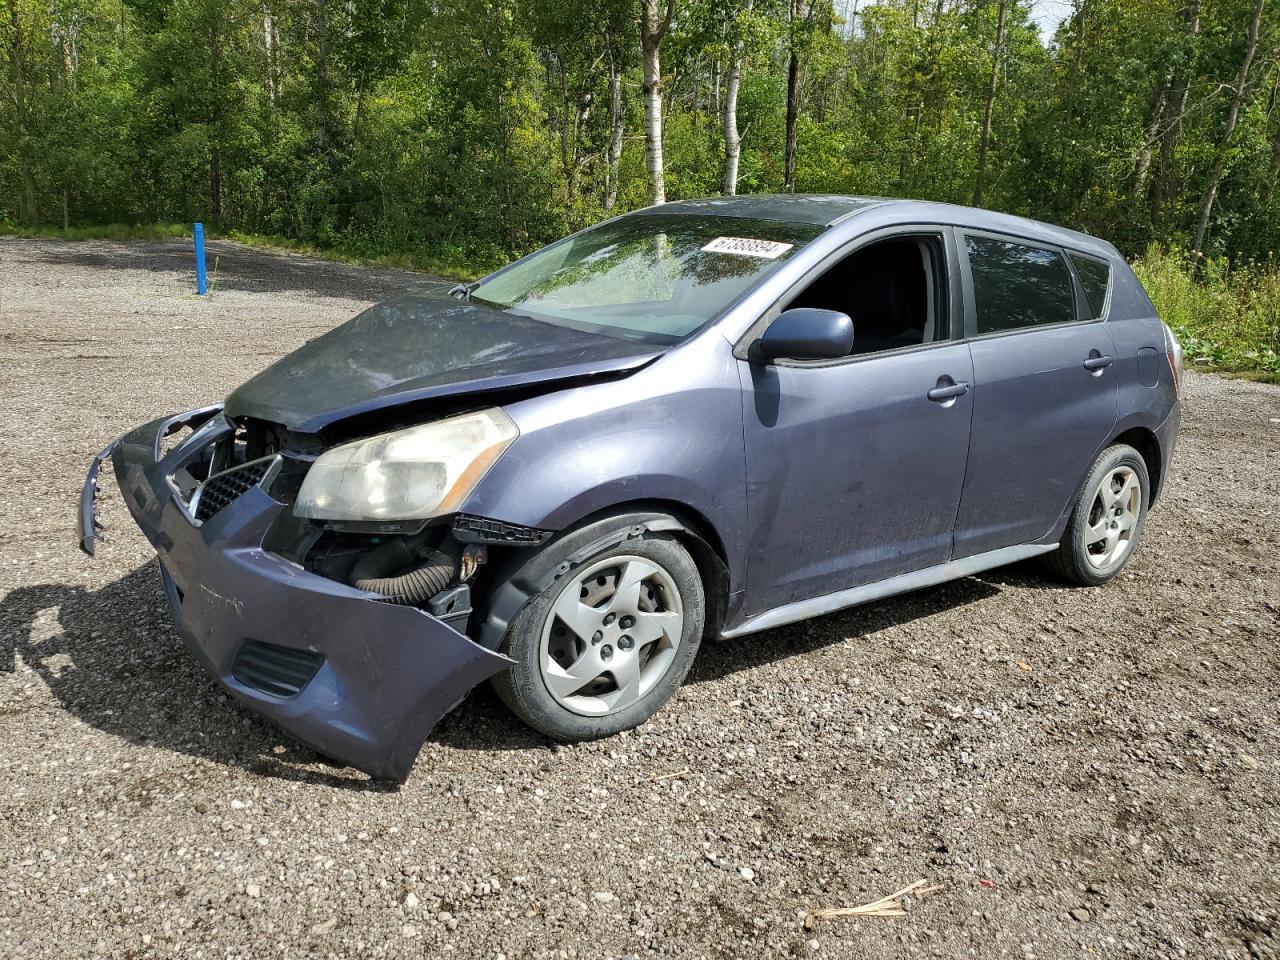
x: 410, y: 474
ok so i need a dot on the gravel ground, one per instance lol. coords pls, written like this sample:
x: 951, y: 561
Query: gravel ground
x: 1077, y: 771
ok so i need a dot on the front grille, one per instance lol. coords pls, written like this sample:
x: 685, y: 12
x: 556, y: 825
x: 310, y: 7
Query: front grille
x: 275, y: 670
x: 222, y: 488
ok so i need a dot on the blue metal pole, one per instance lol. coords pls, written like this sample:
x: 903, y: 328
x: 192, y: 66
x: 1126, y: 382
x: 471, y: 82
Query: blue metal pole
x: 202, y: 281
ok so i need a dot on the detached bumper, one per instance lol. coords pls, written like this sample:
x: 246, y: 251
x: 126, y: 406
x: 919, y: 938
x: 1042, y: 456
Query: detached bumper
x: 372, y: 678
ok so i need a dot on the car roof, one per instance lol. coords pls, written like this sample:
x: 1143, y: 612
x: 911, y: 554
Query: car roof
x: 826, y: 210
x: 819, y: 210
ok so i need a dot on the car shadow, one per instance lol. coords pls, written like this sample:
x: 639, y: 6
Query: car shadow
x: 720, y: 658
x: 114, y: 661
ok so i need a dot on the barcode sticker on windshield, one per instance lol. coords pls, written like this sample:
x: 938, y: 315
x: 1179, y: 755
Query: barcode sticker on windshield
x: 744, y: 247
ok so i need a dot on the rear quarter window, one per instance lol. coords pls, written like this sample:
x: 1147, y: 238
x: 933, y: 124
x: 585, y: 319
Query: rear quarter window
x: 1016, y: 286
x: 1095, y: 277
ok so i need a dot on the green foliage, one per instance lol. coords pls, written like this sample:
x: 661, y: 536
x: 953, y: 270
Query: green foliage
x: 464, y: 134
x: 1228, y: 318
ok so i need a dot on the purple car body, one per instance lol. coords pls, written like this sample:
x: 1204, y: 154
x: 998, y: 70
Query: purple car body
x: 812, y: 484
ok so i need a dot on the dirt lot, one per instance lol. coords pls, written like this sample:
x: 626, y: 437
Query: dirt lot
x: 1078, y: 771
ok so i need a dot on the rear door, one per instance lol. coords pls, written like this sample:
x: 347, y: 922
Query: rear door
x: 1044, y: 390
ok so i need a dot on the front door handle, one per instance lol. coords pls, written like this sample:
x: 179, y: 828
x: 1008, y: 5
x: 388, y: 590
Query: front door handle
x: 1097, y: 362
x: 945, y: 392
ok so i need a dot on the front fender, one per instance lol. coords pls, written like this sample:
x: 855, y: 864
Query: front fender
x: 672, y: 432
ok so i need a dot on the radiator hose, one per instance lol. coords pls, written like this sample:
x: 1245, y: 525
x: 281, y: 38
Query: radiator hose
x: 404, y: 570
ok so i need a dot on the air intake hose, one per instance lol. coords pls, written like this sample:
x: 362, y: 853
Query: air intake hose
x: 422, y: 571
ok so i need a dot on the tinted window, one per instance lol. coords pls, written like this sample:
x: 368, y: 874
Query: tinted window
x: 893, y: 289
x: 1016, y: 286
x: 1095, y: 275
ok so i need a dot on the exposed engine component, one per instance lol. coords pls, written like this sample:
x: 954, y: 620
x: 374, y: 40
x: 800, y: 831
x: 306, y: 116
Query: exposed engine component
x: 473, y: 555
x: 404, y: 570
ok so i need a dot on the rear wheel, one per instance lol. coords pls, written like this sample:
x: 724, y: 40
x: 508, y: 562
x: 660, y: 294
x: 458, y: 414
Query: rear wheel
x: 1106, y: 522
x: 604, y: 646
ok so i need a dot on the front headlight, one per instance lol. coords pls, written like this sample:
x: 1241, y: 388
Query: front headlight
x: 411, y: 474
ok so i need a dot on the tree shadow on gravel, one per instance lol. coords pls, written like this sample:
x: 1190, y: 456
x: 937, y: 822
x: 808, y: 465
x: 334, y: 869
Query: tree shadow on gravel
x: 115, y: 662
x: 234, y: 267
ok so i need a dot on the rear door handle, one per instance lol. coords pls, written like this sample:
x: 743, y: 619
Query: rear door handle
x: 1097, y: 362
x: 941, y: 394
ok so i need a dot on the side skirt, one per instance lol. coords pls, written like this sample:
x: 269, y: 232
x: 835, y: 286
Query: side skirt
x: 928, y: 577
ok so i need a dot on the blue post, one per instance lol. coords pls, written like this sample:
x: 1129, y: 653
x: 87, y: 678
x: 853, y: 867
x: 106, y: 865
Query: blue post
x: 202, y: 282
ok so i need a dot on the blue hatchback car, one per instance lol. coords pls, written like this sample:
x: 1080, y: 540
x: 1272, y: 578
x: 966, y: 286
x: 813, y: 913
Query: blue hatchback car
x: 708, y: 417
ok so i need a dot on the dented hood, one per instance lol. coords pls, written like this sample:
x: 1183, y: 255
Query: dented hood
x: 419, y: 347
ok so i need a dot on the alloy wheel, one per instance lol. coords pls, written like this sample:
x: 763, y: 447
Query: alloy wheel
x: 1113, y: 518
x: 610, y: 635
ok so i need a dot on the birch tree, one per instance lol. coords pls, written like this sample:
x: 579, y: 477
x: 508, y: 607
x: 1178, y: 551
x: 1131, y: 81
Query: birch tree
x: 655, y: 21
x: 733, y: 82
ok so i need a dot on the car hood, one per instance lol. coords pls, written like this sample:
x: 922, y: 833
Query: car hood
x: 419, y: 347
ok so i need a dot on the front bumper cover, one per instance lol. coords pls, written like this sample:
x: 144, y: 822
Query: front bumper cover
x: 389, y: 672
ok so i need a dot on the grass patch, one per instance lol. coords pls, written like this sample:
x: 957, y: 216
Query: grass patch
x: 1228, y: 319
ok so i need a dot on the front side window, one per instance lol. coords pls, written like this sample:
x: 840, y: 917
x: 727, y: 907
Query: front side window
x: 894, y: 290
x: 654, y: 277
x: 1095, y: 277
x: 1017, y: 286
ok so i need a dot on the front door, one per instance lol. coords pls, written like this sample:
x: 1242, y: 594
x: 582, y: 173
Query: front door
x: 1045, y: 392
x: 854, y: 472
x: 855, y: 466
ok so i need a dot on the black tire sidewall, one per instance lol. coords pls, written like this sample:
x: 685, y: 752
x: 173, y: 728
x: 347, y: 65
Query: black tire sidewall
x: 522, y: 687
x: 1073, y: 549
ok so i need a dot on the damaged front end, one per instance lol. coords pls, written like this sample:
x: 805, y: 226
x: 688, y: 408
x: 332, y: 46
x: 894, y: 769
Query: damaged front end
x: 350, y: 636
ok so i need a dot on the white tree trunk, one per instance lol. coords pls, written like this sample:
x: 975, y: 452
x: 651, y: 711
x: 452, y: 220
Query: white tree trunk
x: 615, y: 137
x: 653, y: 27
x: 268, y: 43
x: 732, y: 136
x: 653, y: 125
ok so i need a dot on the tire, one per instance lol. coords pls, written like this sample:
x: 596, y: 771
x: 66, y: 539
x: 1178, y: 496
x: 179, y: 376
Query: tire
x: 1106, y: 524
x: 638, y: 659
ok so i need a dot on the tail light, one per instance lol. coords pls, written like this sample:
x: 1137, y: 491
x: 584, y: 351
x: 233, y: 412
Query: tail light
x: 1174, y: 352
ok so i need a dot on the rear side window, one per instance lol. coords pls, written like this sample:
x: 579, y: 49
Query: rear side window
x: 1017, y: 286
x: 1095, y: 277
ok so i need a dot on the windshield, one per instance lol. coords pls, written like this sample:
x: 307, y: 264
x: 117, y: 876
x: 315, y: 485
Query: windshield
x: 655, y: 277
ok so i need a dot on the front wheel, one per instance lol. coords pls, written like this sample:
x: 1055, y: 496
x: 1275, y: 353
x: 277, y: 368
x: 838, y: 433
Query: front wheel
x: 1106, y: 522
x: 604, y: 646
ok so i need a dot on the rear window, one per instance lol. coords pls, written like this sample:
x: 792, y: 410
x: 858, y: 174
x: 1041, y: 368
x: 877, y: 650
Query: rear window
x: 1095, y: 277
x: 1016, y: 286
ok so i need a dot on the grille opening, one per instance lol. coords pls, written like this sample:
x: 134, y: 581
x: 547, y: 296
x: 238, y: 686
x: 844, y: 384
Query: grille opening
x: 275, y: 670
x: 221, y: 489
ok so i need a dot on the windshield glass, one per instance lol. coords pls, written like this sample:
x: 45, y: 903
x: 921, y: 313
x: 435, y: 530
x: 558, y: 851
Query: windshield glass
x: 656, y: 277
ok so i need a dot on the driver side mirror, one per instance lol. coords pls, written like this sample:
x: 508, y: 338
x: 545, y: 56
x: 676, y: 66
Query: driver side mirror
x: 806, y: 333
